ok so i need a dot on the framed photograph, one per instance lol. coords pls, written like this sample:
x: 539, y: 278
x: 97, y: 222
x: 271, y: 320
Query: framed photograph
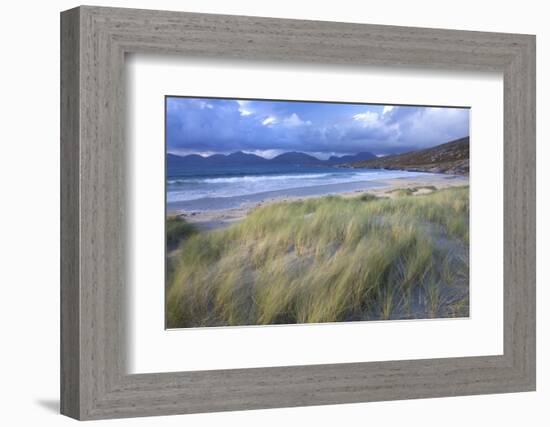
x: 306, y: 225
x: 262, y: 213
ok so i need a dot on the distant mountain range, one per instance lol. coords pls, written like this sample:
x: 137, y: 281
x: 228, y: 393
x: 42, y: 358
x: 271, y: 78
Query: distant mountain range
x: 452, y: 158
x: 241, y: 159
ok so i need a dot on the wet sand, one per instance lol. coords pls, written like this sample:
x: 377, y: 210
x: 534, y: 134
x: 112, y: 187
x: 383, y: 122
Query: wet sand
x: 211, y: 214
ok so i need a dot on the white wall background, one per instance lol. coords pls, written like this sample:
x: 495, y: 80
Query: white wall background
x: 29, y: 212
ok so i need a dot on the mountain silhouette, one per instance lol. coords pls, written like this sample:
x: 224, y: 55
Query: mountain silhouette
x: 239, y: 158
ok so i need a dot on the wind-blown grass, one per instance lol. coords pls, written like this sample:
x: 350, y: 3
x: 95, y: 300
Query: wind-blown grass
x: 327, y: 259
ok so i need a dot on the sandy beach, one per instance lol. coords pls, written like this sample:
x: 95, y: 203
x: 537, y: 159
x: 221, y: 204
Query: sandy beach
x: 207, y: 216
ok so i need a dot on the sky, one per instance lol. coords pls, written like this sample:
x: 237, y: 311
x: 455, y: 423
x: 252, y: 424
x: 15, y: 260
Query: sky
x: 206, y: 126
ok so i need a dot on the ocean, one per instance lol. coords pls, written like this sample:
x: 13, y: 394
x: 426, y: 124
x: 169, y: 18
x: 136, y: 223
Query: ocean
x: 221, y: 187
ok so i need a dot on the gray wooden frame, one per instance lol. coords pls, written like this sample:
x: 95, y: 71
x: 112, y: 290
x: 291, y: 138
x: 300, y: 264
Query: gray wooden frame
x: 94, y: 41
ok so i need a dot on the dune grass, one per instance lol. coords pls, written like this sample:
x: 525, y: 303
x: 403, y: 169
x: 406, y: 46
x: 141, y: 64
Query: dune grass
x: 177, y: 229
x: 411, y: 190
x: 327, y: 259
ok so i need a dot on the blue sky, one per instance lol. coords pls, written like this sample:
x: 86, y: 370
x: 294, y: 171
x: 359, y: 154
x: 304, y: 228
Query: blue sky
x: 206, y: 126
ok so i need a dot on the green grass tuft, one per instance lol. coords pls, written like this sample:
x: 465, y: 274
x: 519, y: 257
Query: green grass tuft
x: 367, y: 197
x: 177, y: 229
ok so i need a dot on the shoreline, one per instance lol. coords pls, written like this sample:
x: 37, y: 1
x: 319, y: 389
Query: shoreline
x: 213, y: 219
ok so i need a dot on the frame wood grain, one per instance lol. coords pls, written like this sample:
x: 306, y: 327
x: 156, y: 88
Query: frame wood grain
x: 94, y: 381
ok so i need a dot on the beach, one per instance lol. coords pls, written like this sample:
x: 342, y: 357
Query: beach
x: 290, y: 212
x: 220, y: 212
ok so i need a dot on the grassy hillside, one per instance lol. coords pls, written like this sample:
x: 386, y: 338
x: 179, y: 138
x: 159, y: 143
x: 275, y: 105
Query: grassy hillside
x: 327, y: 259
x: 452, y: 158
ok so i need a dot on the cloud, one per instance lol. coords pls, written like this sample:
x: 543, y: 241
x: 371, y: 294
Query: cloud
x: 243, y: 108
x: 269, y: 120
x: 424, y: 126
x: 294, y: 120
x: 203, y: 104
x: 219, y: 125
x: 368, y: 118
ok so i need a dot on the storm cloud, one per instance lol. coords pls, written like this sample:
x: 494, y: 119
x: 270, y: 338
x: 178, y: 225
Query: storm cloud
x: 206, y: 125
